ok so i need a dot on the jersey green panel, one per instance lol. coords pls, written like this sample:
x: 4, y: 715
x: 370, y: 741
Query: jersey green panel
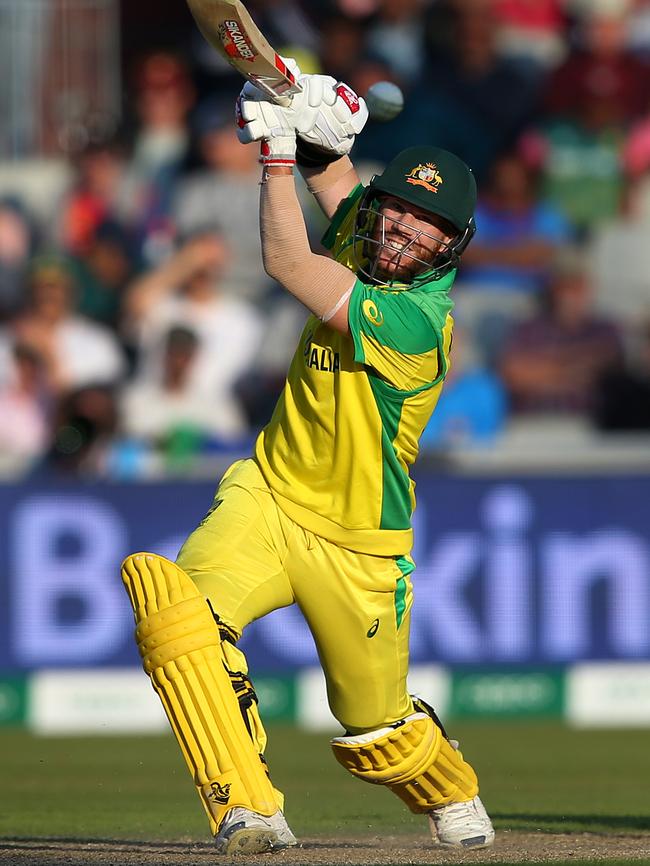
x: 406, y: 566
x: 392, y: 319
x: 396, y: 500
x: 401, y: 335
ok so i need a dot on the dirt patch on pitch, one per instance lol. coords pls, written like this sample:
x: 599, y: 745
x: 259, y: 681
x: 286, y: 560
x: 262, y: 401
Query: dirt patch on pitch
x: 371, y: 851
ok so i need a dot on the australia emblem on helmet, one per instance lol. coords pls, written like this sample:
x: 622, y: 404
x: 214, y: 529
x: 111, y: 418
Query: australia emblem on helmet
x: 426, y: 175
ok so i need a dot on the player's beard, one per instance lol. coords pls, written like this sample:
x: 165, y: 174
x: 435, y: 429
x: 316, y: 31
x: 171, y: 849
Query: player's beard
x: 416, y: 251
x: 404, y: 263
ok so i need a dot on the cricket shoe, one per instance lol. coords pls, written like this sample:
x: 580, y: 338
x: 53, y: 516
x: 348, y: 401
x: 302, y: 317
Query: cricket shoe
x: 462, y: 825
x: 246, y: 832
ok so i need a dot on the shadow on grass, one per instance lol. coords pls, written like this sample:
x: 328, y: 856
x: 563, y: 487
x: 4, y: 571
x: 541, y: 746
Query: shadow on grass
x: 31, y: 842
x: 584, y: 823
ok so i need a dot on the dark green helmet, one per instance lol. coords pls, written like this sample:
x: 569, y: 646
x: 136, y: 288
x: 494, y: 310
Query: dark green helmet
x: 433, y: 179
x: 436, y: 181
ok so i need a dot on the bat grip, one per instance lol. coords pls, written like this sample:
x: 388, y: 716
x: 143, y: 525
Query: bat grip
x: 280, y: 99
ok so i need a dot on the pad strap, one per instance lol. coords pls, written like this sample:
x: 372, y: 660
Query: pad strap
x: 414, y: 759
x: 181, y: 651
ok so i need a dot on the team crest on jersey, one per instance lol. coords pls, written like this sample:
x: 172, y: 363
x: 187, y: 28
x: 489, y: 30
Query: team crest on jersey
x: 426, y: 175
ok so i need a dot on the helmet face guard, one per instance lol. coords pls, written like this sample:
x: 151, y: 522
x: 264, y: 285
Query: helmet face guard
x: 370, y: 241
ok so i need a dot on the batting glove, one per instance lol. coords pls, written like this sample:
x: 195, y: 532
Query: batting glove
x: 261, y: 119
x: 341, y: 117
x: 269, y: 124
x: 326, y: 115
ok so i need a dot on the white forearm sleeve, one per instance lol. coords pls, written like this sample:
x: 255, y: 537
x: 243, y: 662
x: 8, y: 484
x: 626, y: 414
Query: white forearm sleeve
x: 318, y: 282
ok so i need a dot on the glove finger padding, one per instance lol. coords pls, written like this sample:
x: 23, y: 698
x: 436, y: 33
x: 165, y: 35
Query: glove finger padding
x: 272, y: 125
x: 341, y: 117
x: 250, y: 92
x: 273, y: 119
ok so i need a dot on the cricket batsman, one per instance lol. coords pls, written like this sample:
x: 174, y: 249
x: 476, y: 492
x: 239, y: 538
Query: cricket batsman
x: 320, y: 515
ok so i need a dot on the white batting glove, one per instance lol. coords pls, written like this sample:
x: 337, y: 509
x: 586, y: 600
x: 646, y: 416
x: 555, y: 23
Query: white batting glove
x: 261, y: 119
x: 258, y: 120
x: 326, y: 114
x: 341, y: 117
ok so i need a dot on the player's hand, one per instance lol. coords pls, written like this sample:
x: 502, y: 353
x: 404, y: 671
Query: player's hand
x: 341, y: 117
x: 260, y: 119
x: 326, y: 114
x: 268, y: 123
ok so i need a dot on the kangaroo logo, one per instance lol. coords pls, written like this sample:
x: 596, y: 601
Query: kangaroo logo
x: 426, y: 175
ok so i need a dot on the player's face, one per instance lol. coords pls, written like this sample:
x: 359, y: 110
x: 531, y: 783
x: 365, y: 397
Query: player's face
x: 409, y: 239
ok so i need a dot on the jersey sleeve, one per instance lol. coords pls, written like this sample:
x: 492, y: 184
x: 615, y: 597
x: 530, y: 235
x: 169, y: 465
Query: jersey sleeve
x: 404, y: 341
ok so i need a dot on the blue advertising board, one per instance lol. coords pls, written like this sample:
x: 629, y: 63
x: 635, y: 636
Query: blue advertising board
x: 511, y: 571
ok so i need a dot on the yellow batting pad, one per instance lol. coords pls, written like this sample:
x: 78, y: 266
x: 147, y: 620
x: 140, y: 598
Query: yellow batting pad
x: 180, y: 646
x: 414, y: 759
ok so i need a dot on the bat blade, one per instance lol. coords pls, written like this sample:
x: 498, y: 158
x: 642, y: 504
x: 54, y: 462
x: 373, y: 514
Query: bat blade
x: 229, y: 28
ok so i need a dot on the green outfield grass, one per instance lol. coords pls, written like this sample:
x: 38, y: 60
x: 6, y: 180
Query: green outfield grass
x: 534, y: 776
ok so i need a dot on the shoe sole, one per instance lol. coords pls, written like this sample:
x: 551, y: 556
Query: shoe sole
x: 252, y: 841
x: 472, y: 842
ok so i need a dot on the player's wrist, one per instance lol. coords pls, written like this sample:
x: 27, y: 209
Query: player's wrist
x: 276, y: 171
x: 279, y: 151
x: 309, y: 155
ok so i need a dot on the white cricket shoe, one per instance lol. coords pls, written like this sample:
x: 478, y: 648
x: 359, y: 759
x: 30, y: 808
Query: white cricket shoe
x: 246, y: 832
x: 462, y: 825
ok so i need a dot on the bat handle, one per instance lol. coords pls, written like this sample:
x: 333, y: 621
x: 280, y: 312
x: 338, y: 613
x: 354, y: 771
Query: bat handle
x: 284, y: 99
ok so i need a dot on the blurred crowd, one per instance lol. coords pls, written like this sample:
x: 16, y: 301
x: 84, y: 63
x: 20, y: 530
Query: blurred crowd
x: 138, y: 330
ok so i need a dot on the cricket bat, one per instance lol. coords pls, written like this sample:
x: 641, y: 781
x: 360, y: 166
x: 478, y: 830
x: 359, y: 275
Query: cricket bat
x: 229, y: 28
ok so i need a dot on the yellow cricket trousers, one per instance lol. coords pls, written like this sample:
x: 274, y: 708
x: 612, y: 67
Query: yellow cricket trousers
x: 248, y: 559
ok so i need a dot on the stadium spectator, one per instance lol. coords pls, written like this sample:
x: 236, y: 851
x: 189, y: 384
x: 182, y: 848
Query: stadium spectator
x: 17, y: 240
x: 638, y: 30
x: 342, y: 46
x: 187, y: 291
x: 285, y: 23
x: 518, y: 233
x: 396, y: 37
x: 601, y: 77
x: 103, y: 272
x: 75, y: 352
x: 580, y: 165
x: 636, y: 162
x: 590, y: 101
x: 95, y: 196
x: 552, y: 362
x: 531, y: 32
x: 84, y: 430
x: 507, y: 264
x: 224, y: 192
x: 623, y: 400
x: 25, y: 404
x: 164, y: 96
x: 466, y: 81
x: 472, y: 409
x: 157, y: 411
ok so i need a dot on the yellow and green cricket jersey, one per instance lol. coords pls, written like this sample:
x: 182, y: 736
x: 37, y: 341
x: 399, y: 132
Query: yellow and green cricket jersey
x: 337, y: 451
